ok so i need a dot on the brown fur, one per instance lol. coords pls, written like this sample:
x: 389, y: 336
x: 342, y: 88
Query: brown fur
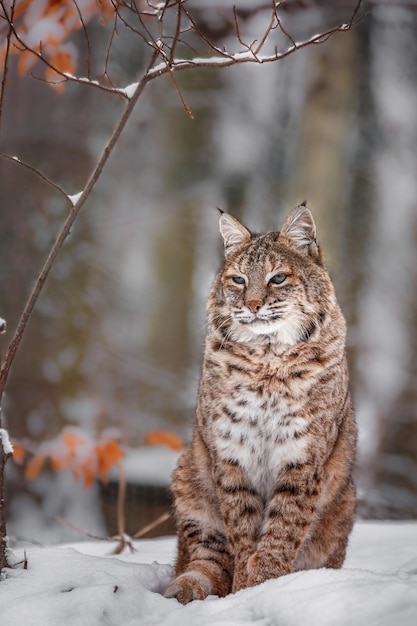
x: 265, y: 488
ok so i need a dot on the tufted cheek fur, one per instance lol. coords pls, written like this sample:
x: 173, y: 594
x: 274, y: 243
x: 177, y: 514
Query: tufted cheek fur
x: 265, y: 487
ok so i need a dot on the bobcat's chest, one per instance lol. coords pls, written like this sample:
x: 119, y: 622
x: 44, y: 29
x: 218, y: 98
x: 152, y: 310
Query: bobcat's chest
x: 261, y: 433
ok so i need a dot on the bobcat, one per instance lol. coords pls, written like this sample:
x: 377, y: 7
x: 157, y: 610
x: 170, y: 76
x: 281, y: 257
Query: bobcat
x: 265, y: 488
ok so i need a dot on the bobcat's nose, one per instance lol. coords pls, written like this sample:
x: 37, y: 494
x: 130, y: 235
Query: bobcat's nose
x: 254, y: 304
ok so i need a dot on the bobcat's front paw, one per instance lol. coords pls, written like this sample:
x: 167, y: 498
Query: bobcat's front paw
x: 189, y: 586
x: 261, y: 567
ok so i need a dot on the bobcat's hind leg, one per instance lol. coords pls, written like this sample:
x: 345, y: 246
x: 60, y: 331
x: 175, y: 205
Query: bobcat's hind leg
x: 326, y: 547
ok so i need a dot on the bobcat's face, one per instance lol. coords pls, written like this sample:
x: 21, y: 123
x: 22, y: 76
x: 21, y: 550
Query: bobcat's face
x: 266, y: 292
x: 272, y: 286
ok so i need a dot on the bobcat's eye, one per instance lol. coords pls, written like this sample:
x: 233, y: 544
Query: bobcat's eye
x: 278, y: 279
x: 239, y: 280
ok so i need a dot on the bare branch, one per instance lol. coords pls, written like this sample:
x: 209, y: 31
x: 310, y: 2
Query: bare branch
x: 248, y: 56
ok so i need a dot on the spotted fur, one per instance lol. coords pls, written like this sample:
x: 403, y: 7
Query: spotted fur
x: 265, y: 488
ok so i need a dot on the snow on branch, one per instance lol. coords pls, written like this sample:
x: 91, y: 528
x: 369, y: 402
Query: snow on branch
x: 74, y: 198
x: 252, y: 52
x: 5, y: 442
x: 166, y: 28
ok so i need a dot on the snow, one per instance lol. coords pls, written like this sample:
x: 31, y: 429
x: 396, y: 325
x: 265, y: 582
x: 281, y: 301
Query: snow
x: 74, y: 198
x: 151, y: 465
x: 82, y: 584
x: 3, y: 325
x: 129, y: 90
x: 5, y: 441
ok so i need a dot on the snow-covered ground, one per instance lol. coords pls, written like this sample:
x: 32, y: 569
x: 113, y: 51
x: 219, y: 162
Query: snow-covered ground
x: 81, y: 585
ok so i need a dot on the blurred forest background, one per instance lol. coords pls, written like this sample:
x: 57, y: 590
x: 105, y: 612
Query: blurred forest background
x: 116, y: 338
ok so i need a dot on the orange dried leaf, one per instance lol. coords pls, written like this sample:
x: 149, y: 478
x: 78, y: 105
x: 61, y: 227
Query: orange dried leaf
x: 108, y: 454
x: 72, y: 441
x: 106, y: 10
x: 18, y: 453
x: 87, y: 470
x: 20, y: 8
x: 26, y: 61
x: 63, y: 62
x: 163, y: 438
x: 76, y: 474
x: 59, y: 463
x: 34, y: 466
x: 2, y: 56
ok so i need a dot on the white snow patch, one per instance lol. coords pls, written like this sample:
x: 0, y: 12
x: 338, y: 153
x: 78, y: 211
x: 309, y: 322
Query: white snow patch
x: 129, y: 90
x: 148, y: 465
x: 5, y: 441
x: 83, y: 584
x: 3, y: 325
x: 74, y: 199
x: 96, y: 83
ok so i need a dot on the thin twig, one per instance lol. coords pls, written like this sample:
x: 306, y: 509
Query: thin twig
x: 158, y: 46
x: 6, y: 57
x: 177, y: 31
x: 268, y: 30
x: 121, y: 498
x: 208, y: 41
x: 123, y: 540
x: 61, y: 520
x: 126, y: 23
x: 41, y: 175
x: 109, y: 46
x: 87, y: 39
x: 283, y: 30
x: 146, y: 529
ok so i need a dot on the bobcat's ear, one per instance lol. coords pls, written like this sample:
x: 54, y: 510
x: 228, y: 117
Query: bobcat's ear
x: 233, y: 232
x: 300, y: 231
